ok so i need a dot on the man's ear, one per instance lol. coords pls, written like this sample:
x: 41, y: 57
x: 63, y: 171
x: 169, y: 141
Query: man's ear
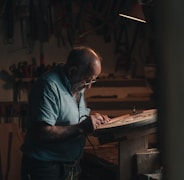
x: 72, y: 70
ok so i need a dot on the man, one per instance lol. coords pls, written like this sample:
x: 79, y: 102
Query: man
x: 59, y: 120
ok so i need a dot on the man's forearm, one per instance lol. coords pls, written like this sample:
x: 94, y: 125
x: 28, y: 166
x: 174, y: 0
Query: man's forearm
x: 58, y: 133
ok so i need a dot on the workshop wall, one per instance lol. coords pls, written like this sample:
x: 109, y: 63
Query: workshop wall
x: 14, y: 53
x: 99, y: 27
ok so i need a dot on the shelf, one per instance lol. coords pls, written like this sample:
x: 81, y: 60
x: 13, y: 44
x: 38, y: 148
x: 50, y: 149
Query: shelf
x: 120, y: 83
x: 120, y: 103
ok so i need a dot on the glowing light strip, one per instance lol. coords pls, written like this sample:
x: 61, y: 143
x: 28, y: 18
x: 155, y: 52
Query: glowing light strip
x: 133, y: 18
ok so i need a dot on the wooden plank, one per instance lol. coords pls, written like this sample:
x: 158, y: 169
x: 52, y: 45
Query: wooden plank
x: 5, y: 129
x: 128, y: 121
x: 10, y: 141
x: 15, y: 156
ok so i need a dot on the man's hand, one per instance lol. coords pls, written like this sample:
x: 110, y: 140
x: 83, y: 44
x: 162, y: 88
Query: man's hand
x: 92, y: 122
x: 98, y: 119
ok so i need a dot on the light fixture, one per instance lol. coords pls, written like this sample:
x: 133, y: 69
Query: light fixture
x: 135, y: 13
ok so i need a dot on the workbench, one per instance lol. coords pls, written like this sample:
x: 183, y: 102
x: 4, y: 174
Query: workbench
x: 131, y: 137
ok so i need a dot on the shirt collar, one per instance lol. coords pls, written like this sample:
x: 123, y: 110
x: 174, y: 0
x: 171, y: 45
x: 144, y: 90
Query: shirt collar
x: 64, y: 78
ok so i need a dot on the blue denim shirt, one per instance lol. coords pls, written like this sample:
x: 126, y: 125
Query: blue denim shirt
x: 51, y: 101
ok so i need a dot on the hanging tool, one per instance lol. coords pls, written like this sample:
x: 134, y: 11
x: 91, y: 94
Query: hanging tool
x: 8, y: 20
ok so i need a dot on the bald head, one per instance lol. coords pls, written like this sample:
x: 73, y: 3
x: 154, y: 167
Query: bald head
x: 84, y: 59
x: 83, y: 64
